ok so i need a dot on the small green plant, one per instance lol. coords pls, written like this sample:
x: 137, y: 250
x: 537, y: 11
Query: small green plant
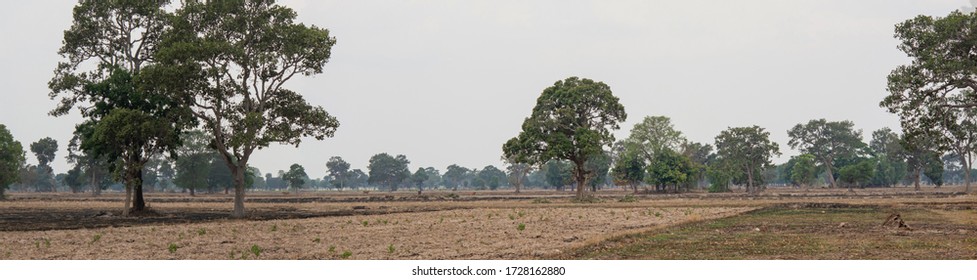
x: 521, y: 227
x: 346, y: 254
x: 366, y: 223
x: 384, y: 222
x: 274, y: 227
x: 332, y: 249
x: 520, y: 213
x: 658, y: 214
x: 201, y: 231
x: 316, y: 240
x: 95, y: 238
x: 391, y: 249
x: 628, y: 198
x: 172, y: 248
x: 512, y: 217
x: 256, y: 250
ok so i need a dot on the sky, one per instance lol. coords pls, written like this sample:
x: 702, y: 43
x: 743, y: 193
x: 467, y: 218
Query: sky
x: 448, y: 82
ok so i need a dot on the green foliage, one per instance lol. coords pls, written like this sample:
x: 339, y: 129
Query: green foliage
x: 339, y: 172
x: 652, y: 135
x: 256, y: 250
x: 521, y: 227
x: 96, y: 238
x: 748, y: 151
x: 172, y: 248
x: 668, y: 169
x: 295, y: 176
x: 454, y: 176
x: 346, y: 254
x: 827, y: 142
x: 572, y: 121
x: 558, y: 173
x: 629, y: 169
x: 44, y: 150
x: 418, y: 178
x: 859, y: 173
x: 492, y: 176
x: 388, y: 172
x: 391, y: 249
x: 250, y: 43
x: 804, y: 171
x: 628, y: 198
x: 12, y: 157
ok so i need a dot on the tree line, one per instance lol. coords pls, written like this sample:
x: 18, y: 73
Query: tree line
x: 169, y: 94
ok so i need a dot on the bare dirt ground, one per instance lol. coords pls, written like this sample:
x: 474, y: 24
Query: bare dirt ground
x: 403, y: 225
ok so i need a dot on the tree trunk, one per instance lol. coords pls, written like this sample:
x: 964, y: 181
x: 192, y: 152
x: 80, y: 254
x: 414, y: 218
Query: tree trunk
x: 966, y: 172
x: 138, y: 203
x: 238, y: 173
x: 916, y: 177
x: 750, y: 188
x: 191, y: 192
x: 831, y: 175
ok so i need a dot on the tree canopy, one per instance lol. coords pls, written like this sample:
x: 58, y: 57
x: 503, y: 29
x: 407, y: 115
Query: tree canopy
x: 228, y: 62
x: 572, y: 120
x: 826, y: 141
x: 748, y: 150
x: 388, y: 172
x: 11, y: 159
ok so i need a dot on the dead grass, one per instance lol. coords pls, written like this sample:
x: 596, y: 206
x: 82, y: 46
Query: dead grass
x: 810, y: 232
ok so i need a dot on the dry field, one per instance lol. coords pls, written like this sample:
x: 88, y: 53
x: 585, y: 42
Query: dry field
x: 436, y: 225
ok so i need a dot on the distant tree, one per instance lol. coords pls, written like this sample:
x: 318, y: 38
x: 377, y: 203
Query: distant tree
x: 338, y: 172
x: 194, y: 161
x: 668, y: 169
x: 74, y: 180
x: 492, y: 177
x: 388, y: 172
x: 748, y: 150
x: 454, y: 176
x: 44, y: 150
x: 804, y: 170
x: 220, y: 176
x: 890, y: 155
x: 295, y: 176
x: 358, y: 178
x: 11, y: 159
x: 229, y: 62
x: 629, y: 169
x: 826, y: 141
x: 433, y: 177
x: 858, y: 173
x: 95, y: 170
x: 418, y: 179
x: 921, y: 152
x: 516, y: 172
x: 192, y: 171
x: 720, y: 175
x: 572, y: 120
x: 598, y: 166
x: 699, y: 154
x: 558, y: 173
x: 654, y: 134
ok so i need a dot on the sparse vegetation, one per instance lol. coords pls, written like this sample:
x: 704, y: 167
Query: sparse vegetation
x: 346, y: 255
x: 521, y: 227
x: 256, y: 250
x: 172, y: 248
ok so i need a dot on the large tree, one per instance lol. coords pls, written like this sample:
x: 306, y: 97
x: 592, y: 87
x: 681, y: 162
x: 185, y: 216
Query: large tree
x: 388, y: 172
x: 572, y: 120
x: 44, y: 150
x: 418, y: 178
x: 654, y: 134
x: 454, y: 176
x: 629, y: 169
x: 106, y: 49
x: 338, y: 172
x: 229, y: 61
x: 11, y: 159
x: 748, y: 150
x: 934, y: 93
x: 668, y: 169
x: 826, y: 141
x: 803, y: 171
x: 295, y: 176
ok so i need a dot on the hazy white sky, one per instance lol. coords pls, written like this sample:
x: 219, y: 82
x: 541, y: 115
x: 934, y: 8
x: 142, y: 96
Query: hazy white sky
x: 447, y: 82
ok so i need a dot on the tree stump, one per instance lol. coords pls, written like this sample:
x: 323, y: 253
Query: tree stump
x: 895, y: 221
